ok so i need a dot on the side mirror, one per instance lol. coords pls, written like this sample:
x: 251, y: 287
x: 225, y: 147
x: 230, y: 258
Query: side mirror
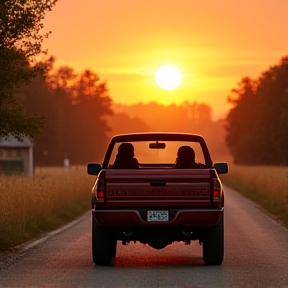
x: 221, y: 168
x: 93, y: 168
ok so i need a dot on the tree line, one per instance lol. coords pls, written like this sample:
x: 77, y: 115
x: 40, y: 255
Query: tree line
x: 80, y: 118
x: 257, y: 124
x: 74, y: 106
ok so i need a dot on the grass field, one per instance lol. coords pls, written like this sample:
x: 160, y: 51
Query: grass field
x: 265, y: 185
x: 30, y: 206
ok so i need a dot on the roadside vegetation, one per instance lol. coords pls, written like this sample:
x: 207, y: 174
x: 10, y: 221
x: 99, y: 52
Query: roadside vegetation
x: 256, y: 137
x: 265, y: 185
x: 32, y: 206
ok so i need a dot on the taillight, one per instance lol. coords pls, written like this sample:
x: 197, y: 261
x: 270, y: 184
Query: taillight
x: 216, y: 194
x: 100, y: 194
x: 216, y: 190
x: 99, y: 188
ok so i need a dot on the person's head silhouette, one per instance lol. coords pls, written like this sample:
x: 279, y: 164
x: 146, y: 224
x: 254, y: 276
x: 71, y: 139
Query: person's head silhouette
x: 185, y: 157
x: 126, y: 150
x: 125, y: 157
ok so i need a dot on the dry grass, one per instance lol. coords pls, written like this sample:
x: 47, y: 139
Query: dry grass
x: 29, y: 206
x: 266, y: 185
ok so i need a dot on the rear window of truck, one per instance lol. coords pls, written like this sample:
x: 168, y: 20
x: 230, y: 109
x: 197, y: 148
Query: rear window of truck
x: 149, y: 152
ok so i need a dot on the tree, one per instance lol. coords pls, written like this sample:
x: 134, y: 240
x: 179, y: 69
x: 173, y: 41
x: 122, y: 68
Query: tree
x: 272, y: 112
x: 75, y: 106
x: 20, y: 44
x: 240, y: 121
x: 257, y: 131
x: 88, y: 123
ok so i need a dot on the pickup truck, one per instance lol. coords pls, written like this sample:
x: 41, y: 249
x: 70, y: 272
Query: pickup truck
x: 143, y: 192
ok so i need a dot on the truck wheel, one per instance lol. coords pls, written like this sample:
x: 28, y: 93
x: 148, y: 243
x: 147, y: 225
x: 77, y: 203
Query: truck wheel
x: 101, y: 245
x: 213, y: 244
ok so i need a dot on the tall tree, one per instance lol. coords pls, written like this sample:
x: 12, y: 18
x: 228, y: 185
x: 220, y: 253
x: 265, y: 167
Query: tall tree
x: 76, y: 106
x: 20, y: 43
x: 240, y: 121
x: 272, y: 110
x: 257, y: 131
x: 91, y: 105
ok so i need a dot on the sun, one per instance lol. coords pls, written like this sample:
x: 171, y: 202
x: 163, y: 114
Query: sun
x: 168, y: 77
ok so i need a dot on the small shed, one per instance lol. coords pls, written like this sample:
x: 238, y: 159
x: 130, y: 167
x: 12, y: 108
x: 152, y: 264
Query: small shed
x: 16, y: 157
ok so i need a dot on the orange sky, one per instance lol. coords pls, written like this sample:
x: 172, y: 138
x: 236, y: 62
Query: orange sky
x: 213, y: 42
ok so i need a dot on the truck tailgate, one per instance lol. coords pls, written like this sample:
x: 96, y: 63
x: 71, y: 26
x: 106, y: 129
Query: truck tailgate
x: 158, y: 188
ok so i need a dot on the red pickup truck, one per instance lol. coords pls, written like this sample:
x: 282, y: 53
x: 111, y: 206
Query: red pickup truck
x: 157, y: 188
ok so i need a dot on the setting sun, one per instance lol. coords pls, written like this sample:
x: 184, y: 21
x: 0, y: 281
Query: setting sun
x: 212, y: 55
x: 168, y: 77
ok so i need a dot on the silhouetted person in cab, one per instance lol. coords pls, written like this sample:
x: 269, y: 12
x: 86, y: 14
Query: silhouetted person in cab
x: 186, y: 158
x: 125, y: 158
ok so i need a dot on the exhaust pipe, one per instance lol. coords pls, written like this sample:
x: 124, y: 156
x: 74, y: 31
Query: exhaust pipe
x: 127, y: 233
x: 187, y: 233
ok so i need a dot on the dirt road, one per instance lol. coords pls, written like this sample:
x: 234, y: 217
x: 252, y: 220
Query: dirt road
x: 256, y: 255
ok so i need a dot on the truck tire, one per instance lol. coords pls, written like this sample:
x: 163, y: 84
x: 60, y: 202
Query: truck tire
x: 213, y: 244
x: 101, y: 245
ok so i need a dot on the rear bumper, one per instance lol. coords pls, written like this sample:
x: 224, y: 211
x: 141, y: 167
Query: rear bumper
x: 182, y: 217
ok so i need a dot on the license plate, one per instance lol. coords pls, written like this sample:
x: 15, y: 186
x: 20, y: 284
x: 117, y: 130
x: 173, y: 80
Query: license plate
x: 159, y: 216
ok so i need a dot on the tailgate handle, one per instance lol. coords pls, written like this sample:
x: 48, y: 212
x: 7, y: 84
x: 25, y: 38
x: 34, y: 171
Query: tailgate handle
x: 157, y: 183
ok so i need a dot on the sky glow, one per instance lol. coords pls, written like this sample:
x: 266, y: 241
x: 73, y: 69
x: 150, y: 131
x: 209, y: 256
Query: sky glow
x: 214, y: 43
